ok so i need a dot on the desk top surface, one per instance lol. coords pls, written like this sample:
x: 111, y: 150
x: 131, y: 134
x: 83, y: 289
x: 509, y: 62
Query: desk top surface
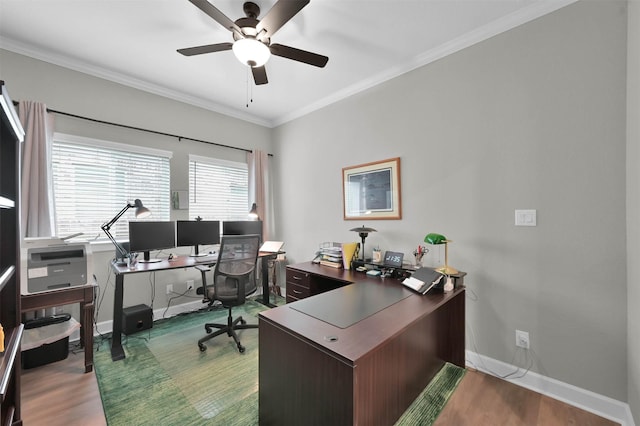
x: 359, y: 338
x: 175, y: 263
x: 356, y: 302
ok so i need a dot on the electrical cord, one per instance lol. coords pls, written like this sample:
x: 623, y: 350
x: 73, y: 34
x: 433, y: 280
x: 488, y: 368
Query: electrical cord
x: 152, y: 284
x: 518, y: 372
x: 99, y: 297
x: 471, y: 295
x: 177, y: 295
x: 510, y: 375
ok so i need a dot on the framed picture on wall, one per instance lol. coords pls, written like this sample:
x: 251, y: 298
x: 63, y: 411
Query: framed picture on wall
x: 372, y: 190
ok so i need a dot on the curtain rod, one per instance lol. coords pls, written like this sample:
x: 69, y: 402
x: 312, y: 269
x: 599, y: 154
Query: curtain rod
x: 180, y: 138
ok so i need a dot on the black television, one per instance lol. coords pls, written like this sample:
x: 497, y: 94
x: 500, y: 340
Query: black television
x: 149, y: 236
x: 242, y: 227
x: 197, y: 232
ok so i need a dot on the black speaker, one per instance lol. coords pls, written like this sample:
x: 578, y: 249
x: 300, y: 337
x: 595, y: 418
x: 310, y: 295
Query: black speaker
x: 136, y: 318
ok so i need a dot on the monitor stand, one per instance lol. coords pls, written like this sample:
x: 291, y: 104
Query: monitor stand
x: 197, y: 253
x: 147, y: 259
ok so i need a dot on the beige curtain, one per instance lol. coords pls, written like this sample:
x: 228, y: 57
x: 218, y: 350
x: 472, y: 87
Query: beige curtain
x: 260, y: 190
x: 37, y: 186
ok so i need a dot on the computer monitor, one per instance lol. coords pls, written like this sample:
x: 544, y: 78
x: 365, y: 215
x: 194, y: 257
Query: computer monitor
x: 197, y: 232
x: 242, y: 227
x: 148, y: 236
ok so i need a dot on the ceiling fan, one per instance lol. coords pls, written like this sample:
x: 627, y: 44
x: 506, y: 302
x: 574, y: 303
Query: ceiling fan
x: 252, y: 36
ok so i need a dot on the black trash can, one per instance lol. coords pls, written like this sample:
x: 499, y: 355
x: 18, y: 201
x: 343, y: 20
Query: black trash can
x: 47, y: 352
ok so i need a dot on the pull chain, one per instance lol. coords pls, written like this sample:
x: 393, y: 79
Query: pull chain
x: 249, y: 88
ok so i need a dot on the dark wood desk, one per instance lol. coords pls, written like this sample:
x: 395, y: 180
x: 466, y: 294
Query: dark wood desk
x: 117, y: 352
x: 83, y: 295
x: 313, y: 372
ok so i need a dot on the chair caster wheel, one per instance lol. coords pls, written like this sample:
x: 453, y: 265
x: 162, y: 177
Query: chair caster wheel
x: 207, y: 329
x: 242, y: 321
x: 202, y: 347
x: 241, y: 349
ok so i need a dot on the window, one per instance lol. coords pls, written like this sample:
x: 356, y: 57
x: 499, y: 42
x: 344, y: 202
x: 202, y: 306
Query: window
x: 93, y: 180
x: 218, y: 189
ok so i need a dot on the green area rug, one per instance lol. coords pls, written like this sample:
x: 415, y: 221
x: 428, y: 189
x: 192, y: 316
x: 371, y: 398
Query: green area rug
x: 166, y: 380
x: 427, y: 406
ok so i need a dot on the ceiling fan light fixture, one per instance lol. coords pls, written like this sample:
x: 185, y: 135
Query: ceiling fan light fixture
x: 251, y: 52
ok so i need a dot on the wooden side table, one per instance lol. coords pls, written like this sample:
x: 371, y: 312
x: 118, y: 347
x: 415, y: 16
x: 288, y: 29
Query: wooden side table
x: 84, y: 296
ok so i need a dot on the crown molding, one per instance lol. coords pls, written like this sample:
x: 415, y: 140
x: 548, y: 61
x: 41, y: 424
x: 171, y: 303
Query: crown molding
x: 478, y: 35
x: 485, y: 32
x: 80, y: 66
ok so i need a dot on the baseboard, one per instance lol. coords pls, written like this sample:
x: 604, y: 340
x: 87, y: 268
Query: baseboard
x: 601, y: 405
x: 107, y: 326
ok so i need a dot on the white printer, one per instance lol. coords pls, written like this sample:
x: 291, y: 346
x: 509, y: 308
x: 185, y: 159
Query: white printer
x: 51, y: 264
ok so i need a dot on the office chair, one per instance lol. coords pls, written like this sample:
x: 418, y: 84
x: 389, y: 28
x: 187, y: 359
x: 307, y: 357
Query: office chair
x: 233, y: 280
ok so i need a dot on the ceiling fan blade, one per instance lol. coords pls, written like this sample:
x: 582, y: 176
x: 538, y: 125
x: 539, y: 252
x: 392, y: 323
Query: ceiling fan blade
x: 208, y: 48
x: 218, y: 16
x: 280, y: 14
x: 299, y: 55
x: 259, y: 75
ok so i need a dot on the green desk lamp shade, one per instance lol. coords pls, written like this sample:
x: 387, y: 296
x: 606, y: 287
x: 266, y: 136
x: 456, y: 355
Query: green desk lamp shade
x: 437, y: 239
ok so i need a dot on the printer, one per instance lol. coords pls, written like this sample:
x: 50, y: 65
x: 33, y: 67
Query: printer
x: 51, y: 264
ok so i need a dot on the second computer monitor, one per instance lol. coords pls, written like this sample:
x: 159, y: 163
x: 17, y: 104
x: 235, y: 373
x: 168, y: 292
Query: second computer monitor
x: 196, y: 233
x: 242, y: 227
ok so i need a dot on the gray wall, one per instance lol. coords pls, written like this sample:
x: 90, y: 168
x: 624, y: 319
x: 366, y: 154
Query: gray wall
x: 531, y: 119
x: 73, y: 92
x: 633, y: 206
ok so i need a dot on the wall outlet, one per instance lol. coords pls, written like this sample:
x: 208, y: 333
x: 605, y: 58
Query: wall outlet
x: 189, y: 285
x: 522, y: 339
x: 169, y: 288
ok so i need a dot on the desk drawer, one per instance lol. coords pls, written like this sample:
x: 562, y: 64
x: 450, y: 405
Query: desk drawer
x: 299, y: 278
x: 295, y: 291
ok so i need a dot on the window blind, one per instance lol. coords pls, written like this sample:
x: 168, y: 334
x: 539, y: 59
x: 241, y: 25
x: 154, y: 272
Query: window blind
x: 93, y: 180
x: 218, y: 189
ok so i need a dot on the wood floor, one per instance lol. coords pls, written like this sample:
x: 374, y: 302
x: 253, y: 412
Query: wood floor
x: 484, y: 400
x: 61, y: 394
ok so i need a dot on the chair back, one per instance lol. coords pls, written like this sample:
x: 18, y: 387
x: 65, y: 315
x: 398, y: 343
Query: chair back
x: 234, y: 274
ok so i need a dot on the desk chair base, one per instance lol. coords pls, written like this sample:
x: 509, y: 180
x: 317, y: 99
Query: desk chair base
x: 229, y: 328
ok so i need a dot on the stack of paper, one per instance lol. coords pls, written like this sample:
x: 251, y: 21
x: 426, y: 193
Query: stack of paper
x: 331, y: 254
x: 423, y: 280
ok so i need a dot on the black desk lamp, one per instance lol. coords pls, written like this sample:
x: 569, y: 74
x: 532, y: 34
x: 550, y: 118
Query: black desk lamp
x: 141, y: 211
x: 253, y: 213
x: 363, y: 232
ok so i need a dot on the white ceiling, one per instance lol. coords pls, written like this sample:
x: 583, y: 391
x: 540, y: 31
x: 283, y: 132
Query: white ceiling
x: 134, y: 42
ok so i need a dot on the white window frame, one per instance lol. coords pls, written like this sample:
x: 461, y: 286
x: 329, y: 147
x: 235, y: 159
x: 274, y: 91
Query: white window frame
x: 159, y: 204
x: 227, y: 207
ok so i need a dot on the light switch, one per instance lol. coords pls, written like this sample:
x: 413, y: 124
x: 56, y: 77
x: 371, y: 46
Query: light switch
x: 525, y: 217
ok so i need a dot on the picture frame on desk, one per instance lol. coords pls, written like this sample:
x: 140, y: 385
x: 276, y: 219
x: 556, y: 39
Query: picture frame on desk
x: 372, y: 190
